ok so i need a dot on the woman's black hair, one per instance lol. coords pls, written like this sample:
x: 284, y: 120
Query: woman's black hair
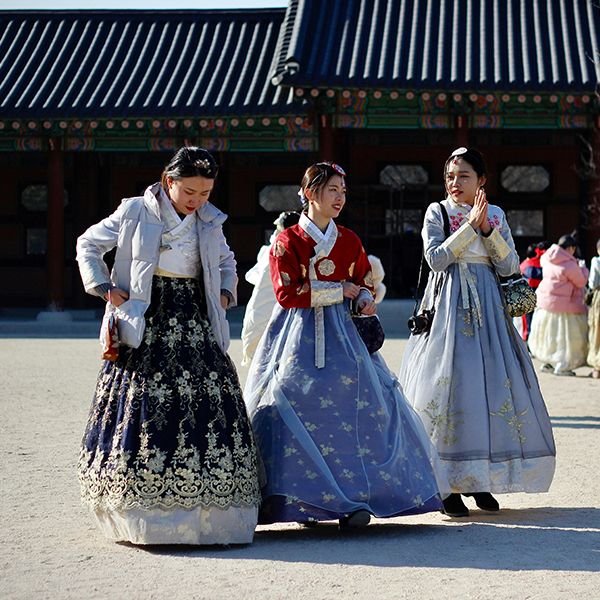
x: 290, y: 218
x: 316, y: 178
x: 544, y: 245
x: 190, y: 161
x: 470, y: 155
x: 567, y: 241
x: 530, y: 253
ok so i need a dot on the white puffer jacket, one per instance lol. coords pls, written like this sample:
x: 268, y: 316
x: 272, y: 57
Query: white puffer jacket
x: 135, y: 228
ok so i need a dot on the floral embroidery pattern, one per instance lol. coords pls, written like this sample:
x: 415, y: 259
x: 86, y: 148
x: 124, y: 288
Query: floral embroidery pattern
x: 494, y: 221
x: 456, y: 221
x: 278, y: 249
x: 168, y: 425
x: 442, y: 420
x: 511, y: 417
x: 285, y: 278
x: 326, y: 267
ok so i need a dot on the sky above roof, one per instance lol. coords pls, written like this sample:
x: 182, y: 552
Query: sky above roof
x: 137, y: 4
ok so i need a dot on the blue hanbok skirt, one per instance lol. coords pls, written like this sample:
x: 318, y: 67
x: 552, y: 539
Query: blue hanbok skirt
x: 337, y: 439
x: 473, y: 384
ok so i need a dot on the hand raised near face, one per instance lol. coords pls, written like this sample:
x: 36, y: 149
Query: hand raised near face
x: 478, y: 216
x: 484, y: 225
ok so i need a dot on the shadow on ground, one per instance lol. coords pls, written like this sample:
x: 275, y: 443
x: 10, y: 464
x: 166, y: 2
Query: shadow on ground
x: 576, y: 422
x: 553, y: 539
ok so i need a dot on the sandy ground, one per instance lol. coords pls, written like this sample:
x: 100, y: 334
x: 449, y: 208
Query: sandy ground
x: 538, y: 547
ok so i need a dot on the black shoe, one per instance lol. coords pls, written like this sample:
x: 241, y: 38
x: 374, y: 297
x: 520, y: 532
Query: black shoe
x: 360, y: 518
x: 485, y: 501
x: 454, y: 506
x: 312, y: 523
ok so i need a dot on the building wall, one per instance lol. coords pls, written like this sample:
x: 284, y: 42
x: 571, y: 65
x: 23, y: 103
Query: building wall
x: 96, y: 182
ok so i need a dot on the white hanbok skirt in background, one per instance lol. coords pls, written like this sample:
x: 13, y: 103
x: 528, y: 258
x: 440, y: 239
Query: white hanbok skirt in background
x: 559, y: 339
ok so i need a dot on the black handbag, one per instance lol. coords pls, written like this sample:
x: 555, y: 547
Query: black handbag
x: 421, y: 322
x: 369, y: 328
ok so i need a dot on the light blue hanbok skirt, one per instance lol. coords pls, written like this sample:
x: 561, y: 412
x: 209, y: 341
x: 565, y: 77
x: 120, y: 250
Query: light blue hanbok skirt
x: 337, y: 439
x: 474, y: 386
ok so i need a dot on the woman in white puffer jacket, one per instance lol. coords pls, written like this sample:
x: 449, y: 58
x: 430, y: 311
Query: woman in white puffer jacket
x: 168, y: 456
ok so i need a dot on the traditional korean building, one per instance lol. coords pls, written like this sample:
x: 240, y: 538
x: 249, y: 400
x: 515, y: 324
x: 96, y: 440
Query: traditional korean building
x: 93, y: 102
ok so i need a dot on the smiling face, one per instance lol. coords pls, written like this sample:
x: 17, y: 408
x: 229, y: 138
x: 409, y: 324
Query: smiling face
x: 188, y: 194
x: 462, y: 181
x: 327, y: 202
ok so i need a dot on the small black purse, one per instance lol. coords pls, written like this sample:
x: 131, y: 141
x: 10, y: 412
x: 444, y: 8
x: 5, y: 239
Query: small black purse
x: 369, y: 328
x: 421, y: 322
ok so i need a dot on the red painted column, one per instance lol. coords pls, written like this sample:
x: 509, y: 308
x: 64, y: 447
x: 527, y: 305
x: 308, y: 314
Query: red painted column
x: 55, y: 253
x: 461, y: 130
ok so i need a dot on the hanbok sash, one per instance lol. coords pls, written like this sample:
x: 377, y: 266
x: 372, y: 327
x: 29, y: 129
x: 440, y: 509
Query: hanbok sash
x: 324, y: 245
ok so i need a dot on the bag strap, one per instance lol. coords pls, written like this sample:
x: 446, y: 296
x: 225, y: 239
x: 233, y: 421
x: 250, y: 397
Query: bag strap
x: 424, y: 268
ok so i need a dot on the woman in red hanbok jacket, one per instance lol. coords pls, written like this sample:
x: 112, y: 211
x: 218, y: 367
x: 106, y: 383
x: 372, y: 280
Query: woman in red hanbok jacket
x: 336, y: 435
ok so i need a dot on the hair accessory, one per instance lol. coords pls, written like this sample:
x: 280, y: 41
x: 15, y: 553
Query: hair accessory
x: 337, y: 169
x: 202, y: 163
x: 459, y: 151
x: 323, y: 166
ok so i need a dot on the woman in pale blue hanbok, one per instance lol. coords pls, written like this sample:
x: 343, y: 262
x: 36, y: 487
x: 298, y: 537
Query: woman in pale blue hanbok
x: 470, y: 377
x: 336, y: 435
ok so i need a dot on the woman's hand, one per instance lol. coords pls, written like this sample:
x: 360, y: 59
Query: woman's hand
x: 367, y: 307
x: 478, y: 216
x: 350, y: 289
x: 116, y: 296
x: 224, y: 301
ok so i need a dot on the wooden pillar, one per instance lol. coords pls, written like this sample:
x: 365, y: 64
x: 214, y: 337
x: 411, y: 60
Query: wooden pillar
x: 326, y: 138
x: 461, y: 130
x: 56, y: 227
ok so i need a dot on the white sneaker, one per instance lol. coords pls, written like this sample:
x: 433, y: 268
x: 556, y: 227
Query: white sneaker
x: 565, y: 373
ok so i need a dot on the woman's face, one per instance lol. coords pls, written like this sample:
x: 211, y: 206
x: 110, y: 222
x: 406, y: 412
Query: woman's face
x: 462, y: 181
x: 329, y: 201
x: 189, y: 193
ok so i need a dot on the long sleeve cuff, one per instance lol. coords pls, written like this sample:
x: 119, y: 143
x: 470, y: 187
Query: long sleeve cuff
x: 326, y: 293
x: 101, y: 289
x: 364, y: 295
x: 228, y: 295
x: 496, y: 246
x: 460, y: 240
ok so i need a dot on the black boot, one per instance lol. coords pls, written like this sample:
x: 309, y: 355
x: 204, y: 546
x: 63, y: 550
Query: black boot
x: 454, y: 506
x: 360, y: 518
x: 485, y: 501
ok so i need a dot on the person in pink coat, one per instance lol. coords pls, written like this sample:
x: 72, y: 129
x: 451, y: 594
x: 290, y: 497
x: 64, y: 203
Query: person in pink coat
x: 559, y: 328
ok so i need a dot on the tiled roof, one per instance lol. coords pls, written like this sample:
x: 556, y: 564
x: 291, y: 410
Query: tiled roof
x: 545, y: 45
x: 140, y: 63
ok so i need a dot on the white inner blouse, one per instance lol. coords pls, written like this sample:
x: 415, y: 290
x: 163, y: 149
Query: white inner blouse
x: 180, y: 253
x: 458, y: 215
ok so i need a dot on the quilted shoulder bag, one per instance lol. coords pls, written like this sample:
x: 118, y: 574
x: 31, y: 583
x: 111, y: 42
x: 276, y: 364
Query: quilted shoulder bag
x: 519, y: 296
